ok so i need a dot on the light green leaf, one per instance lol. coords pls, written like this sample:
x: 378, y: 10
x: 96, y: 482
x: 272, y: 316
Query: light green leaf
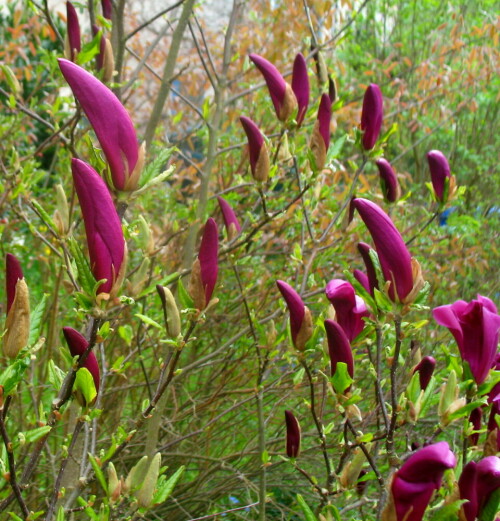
x: 36, y: 320
x: 84, y: 383
x: 308, y: 513
x: 341, y: 380
x: 166, y: 486
x: 147, y: 320
x: 98, y: 473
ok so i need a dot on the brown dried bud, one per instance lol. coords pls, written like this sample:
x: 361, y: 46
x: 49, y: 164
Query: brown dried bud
x: 289, y: 105
x: 170, y: 311
x: 305, y: 331
x: 195, y: 286
x: 17, y: 325
x: 261, y: 172
x: 108, y: 62
x: 318, y: 148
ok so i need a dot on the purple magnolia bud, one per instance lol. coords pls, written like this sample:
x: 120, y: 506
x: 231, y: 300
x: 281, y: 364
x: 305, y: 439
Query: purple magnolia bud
x: 111, y: 123
x: 13, y: 273
x: 300, y: 86
x: 371, y: 116
x: 77, y: 344
x: 230, y: 220
x: 399, y: 269
x: 349, y: 308
x: 475, y: 326
x: 282, y: 95
x: 107, y: 8
x: 107, y: 248
x: 259, y: 156
x: 477, y: 483
x: 475, y: 418
x: 73, y: 39
x: 364, y: 250
x: 362, y: 278
x: 425, y: 369
x: 339, y: 348
x: 206, y: 267
x: 388, y: 181
x: 17, y: 324
x: 320, y: 138
x: 440, y: 172
x: 292, y: 435
x: 362, y: 483
x: 301, y: 326
x: 415, y: 482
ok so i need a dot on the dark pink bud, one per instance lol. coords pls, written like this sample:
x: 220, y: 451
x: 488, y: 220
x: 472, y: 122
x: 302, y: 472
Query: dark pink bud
x: 440, y: 171
x: 362, y: 483
x: 300, y: 317
x: 477, y: 483
x: 394, y: 257
x: 105, y: 239
x: 415, y: 482
x: 107, y: 8
x: 13, y: 273
x: 282, y: 95
x: 111, y: 123
x: 349, y: 308
x: 292, y: 435
x: 77, y: 344
x: 475, y: 418
x: 475, y: 326
x: 208, y: 257
x: 300, y: 86
x: 73, y: 28
x: 388, y: 181
x: 362, y: 278
x: 230, y: 220
x: 259, y: 157
x: 364, y: 250
x: 371, y: 116
x: 339, y: 348
x: 425, y: 369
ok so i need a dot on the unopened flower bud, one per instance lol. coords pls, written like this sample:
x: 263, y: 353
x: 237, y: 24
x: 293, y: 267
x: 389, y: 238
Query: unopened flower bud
x: 170, y: 311
x: 292, y: 435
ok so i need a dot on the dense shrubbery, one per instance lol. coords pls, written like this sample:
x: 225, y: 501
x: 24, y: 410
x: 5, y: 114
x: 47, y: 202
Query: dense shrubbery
x: 237, y: 282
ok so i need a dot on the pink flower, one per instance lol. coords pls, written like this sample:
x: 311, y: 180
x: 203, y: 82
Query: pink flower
x: 425, y: 369
x: 107, y: 8
x: 13, y: 273
x: 388, y: 181
x: 349, y: 308
x: 415, y: 482
x: 399, y: 269
x: 339, y: 348
x: 259, y: 156
x: 440, y: 172
x: 111, y: 123
x: 107, y: 248
x: 477, y: 483
x: 230, y: 220
x: 475, y: 326
x: 206, y: 267
x: 300, y: 317
x: 73, y: 39
x: 300, y: 86
x: 292, y: 435
x: 372, y: 115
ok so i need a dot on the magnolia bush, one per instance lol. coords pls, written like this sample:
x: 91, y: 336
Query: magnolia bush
x: 256, y: 332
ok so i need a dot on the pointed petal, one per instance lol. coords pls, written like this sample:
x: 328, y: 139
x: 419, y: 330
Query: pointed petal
x: 102, y: 225
x: 339, y: 347
x: 276, y: 84
x: 425, y: 369
x: 208, y: 257
x: 300, y: 86
x: 371, y: 116
x: 364, y: 250
x: 292, y: 435
x: 255, y: 140
x: 295, y: 305
x: 388, y: 180
x: 395, y: 259
x: 109, y: 119
x: 324, y: 117
x: 440, y: 170
x: 228, y: 215
x: 13, y: 273
x: 73, y: 25
x: 77, y: 344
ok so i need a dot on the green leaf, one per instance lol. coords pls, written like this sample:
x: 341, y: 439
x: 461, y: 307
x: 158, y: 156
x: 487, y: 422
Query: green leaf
x: 491, y: 509
x: 341, y: 380
x: 98, y: 473
x: 336, y: 148
x: 85, y: 276
x: 43, y: 214
x: 13, y: 374
x: 89, y: 50
x: 166, y: 486
x: 149, y: 321
x: 308, y: 513
x: 56, y: 375
x: 36, y: 320
x: 184, y: 297
x: 447, y: 512
x: 467, y: 409
x: 35, y: 434
x: 84, y: 383
x: 15, y: 516
x: 145, y: 494
x: 60, y: 514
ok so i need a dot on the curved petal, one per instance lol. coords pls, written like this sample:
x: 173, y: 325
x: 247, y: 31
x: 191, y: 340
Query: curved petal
x: 300, y: 86
x: 208, y: 257
x: 295, y: 306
